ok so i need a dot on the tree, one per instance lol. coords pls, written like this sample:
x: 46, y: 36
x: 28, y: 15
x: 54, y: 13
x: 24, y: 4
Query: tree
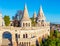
x: 57, y: 41
x: 33, y: 22
x: 7, y: 20
x: 51, y: 34
x: 56, y: 33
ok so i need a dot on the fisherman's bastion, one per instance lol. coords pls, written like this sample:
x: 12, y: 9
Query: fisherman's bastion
x: 26, y: 34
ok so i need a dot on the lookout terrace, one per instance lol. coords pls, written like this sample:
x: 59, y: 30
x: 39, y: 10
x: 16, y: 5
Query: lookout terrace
x: 26, y: 34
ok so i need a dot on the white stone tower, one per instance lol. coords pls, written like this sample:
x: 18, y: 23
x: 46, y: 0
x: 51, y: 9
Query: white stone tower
x: 40, y: 18
x: 34, y: 16
x: 2, y: 23
x: 25, y: 22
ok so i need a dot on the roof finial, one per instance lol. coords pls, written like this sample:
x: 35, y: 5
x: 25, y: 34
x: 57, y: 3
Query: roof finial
x: 34, y: 14
x: 25, y: 6
x: 25, y: 13
x: 41, y: 9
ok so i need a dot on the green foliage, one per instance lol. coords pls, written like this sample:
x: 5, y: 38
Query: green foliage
x: 33, y: 22
x: 56, y: 33
x: 33, y: 45
x: 53, y: 40
x: 7, y: 20
x: 51, y: 33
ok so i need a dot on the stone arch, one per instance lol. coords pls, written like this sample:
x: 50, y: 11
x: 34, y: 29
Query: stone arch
x: 37, y: 43
x: 7, y: 35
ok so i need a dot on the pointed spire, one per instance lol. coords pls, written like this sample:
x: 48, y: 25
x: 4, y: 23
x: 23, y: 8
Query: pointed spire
x: 41, y: 14
x: 41, y: 11
x: 25, y: 13
x: 25, y: 6
x: 0, y: 15
x: 34, y: 15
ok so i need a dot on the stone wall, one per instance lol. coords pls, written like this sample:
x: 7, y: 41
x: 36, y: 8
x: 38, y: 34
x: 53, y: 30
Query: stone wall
x: 33, y: 33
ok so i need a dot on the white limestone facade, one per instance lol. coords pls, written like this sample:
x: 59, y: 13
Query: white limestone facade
x: 26, y: 35
x: 1, y: 20
x: 25, y: 22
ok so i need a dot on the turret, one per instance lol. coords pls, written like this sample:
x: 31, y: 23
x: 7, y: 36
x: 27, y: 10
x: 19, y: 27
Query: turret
x: 25, y: 22
x: 2, y: 23
x: 34, y: 16
x: 40, y: 17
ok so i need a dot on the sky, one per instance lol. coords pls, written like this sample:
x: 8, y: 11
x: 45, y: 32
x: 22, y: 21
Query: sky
x: 51, y: 8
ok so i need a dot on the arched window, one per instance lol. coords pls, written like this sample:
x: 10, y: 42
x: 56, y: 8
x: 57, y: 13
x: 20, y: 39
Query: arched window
x: 42, y: 20
x: 26, y: 24
x: 26, y: 36
x: 39, y: 20
x: 19, y: 36
x: 2, y: 23
x: 23, y: 35
x: 23, y: 24
x: 16, y: 36
x: 7, y: 35
x: 42, y: 24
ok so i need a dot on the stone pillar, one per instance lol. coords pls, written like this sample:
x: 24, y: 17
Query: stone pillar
x: 0, y: 38
x: 14, y: 40
x: 29, y: 43
x: 25, y: 43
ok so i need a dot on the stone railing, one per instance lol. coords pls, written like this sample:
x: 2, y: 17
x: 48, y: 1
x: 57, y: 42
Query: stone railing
x: 26, y: 39
x: 23, y: 28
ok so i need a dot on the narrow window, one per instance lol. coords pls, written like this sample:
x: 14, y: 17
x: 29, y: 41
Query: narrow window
x: 42, y: 20
x: 23, y: 24
x: 26, y: 36
x: 23, y: 35
x: 16, y: 36
x: 19, y: 36
x: 26, y: 24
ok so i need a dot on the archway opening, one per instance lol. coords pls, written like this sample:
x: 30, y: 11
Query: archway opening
x: 37, y: 44
x: 7, y: 35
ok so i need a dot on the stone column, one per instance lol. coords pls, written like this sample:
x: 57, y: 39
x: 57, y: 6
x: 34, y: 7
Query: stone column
x: 0, y: 38
x: 25, y: 43
x: 29, y: 43
x: 14, y: 40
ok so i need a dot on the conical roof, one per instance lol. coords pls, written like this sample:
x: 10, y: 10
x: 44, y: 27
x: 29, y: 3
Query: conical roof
x: 0, y: 14
x: 25, y: 14
x: 2, y: 20
x: 41, y: 14
x: 34, y: 15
